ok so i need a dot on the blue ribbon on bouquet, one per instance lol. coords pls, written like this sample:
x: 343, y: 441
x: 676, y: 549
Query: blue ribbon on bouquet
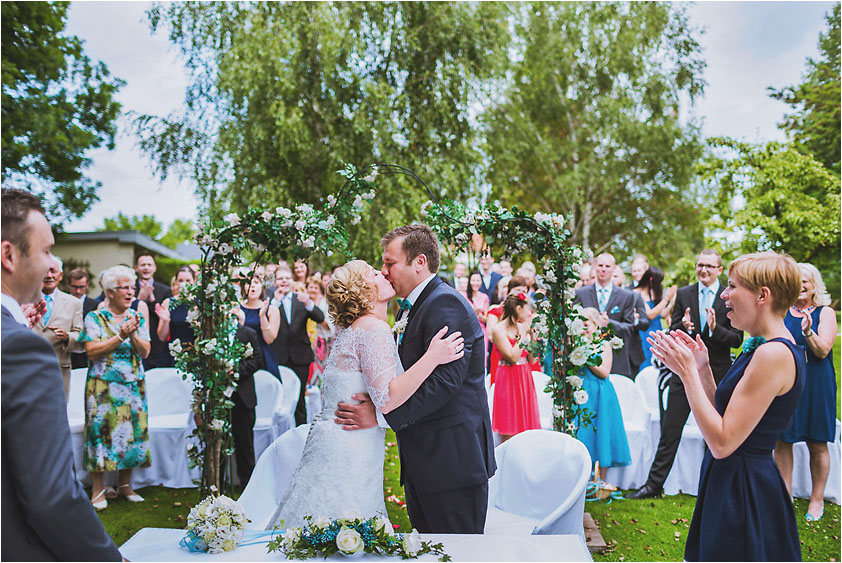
x: 193, y: 543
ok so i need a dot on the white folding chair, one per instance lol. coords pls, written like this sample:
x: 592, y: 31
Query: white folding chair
x: 545, y: 399
x: 272, y: 475
x: 540, y: 484
x: 270, y: 400
x: 168, y: 397
x: 76, y: 400
x: 292, y: 387
x: 636, y: 423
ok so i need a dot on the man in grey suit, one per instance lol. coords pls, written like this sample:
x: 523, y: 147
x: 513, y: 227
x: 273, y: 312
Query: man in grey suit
x: 61, y: 324
x: 615, y: 304
x: 46, y: 515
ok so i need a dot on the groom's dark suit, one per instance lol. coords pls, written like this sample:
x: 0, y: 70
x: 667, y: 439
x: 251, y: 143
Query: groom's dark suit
x: 444, y: 429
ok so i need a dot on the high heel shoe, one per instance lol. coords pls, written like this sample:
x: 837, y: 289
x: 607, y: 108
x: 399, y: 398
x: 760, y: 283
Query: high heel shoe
x: 810, y: 518
x: 99, y: 505
x: 131, y: 498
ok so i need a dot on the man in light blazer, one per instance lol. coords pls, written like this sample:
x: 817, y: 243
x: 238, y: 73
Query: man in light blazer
x: 292, y: 347
x: 46, y: 515
x: 616, y: 306
x: 62, y: 323
x: 699, y: 309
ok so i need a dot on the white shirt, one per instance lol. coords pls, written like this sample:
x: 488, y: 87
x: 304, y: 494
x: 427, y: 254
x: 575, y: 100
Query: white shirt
x: 416, y: 293
x: 609, y: 288
x: 13, y: 306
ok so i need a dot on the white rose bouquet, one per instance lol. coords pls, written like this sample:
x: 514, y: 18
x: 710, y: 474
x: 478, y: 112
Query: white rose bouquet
x: 214, y: 525
x: 349, y: 537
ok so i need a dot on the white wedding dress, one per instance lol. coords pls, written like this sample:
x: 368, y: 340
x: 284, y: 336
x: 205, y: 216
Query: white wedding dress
x: 341, y: 471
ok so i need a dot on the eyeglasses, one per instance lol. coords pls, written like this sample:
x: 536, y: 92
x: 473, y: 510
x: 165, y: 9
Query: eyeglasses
x: 707, y: 266
x: 124, y: 288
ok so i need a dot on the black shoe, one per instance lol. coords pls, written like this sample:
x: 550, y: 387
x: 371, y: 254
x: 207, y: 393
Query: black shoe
x: 646, y: 491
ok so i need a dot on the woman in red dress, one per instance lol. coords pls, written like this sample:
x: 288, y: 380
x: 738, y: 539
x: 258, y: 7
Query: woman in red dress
x: 515, y: 401
x: 517, y: 284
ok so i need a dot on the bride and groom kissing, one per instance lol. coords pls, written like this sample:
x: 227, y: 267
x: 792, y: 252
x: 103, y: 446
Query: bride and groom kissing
x: 437, y: 407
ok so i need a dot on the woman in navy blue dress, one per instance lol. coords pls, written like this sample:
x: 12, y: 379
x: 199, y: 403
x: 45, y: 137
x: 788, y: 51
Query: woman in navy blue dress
x: 813, y: 325
x: 172, y: 320
x: 743, y: 511
x: 657, y: 302
x: 263, y: 319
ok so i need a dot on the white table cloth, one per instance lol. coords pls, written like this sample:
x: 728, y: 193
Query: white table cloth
x: 161, y: 544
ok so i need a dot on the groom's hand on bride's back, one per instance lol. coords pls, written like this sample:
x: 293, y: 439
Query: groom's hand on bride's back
x: 357, y: 417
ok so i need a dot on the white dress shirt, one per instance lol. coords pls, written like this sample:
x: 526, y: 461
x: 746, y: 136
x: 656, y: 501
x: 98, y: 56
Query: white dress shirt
x: 13, y: 306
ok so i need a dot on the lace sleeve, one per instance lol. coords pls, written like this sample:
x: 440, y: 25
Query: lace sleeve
x: 378, y: 362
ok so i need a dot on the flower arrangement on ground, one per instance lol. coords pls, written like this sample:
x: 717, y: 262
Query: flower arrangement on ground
x: 350, y: 536
x: 215, y: 525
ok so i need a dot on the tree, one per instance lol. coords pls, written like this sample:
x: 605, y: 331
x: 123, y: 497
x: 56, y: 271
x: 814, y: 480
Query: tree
x: 56, y: 105
x: 773, y: 197
x: 588, y: 125
x: 283, y: 93
x: 179, y: 231
x: 815, y: 125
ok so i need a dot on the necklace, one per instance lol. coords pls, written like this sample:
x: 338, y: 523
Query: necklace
x: 804, y: 311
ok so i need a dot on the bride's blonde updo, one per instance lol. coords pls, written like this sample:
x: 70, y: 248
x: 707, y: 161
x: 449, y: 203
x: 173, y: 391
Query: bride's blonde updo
x: 350, y: 295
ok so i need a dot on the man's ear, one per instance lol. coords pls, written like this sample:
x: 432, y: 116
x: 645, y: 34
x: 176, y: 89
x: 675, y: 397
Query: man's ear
x: 8, y: 256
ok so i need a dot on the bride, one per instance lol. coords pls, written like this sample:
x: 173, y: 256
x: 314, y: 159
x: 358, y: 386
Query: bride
x: 341, y: 472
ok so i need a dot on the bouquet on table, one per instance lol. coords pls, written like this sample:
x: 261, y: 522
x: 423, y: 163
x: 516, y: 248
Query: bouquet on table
x: 214, y: 525
x: 351, y: 537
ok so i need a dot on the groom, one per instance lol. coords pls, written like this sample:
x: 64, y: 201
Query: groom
x: 443, y: 430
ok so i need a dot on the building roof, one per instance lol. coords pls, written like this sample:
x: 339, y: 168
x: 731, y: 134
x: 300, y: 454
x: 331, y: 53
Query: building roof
x: 126, y: 237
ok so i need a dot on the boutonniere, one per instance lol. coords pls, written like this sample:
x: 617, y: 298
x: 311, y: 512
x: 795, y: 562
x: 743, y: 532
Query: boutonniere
x: 400, y: 326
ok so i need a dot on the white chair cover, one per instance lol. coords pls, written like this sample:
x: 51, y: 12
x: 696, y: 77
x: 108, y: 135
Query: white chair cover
x: 313, y: 402
x: 647, y: 382
x: 636, y: 422
x: 272, y: 475
x: 545, y: 399
x: 268, y: 418
x: 76, y: 400
x: 539, y: 487
x: 292, y: 387
x: 802, y: 483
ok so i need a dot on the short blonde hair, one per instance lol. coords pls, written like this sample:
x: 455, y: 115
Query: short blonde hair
x: 350, y: 295
x: 592, y: 315
x: 778, y: 272
x: 821, y: 297
x: 109, y: 278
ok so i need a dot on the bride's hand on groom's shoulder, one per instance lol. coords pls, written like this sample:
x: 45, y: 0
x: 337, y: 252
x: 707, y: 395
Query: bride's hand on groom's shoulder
x: 356, y: 417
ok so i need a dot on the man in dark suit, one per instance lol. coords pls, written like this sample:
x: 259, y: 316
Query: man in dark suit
x: 616, y: 305
x: 245, y: 401
x: 292, y: 346
x: 699, y: 309
x: 78, y: 284
x: 444, y: 429
x: 153, y: 292
x: 490, y: 278
x: 46, y: 515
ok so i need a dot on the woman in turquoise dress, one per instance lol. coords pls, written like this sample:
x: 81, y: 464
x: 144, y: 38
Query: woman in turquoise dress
x: 116, y: 340
x: 605, y: 438
x: 812, y: 324
x: 743, y: 511
x: 657, y: 303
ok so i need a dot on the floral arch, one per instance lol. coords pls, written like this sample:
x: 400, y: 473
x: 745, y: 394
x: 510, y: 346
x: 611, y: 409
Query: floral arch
x: 299, y: 232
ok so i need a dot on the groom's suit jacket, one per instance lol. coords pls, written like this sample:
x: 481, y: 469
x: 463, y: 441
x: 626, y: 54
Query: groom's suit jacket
x: 46, y: 516
x: 444, y: 429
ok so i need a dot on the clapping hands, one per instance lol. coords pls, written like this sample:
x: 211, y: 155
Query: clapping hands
x: 129, y: 326
x: 680, y: 352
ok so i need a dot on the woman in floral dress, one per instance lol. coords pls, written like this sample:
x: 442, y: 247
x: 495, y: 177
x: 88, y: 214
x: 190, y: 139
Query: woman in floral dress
x: 116, y: 434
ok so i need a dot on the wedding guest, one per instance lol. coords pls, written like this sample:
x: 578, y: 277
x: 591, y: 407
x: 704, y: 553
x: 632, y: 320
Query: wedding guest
x: 261, y: 317
x: 45, y: 513
x: 461, y: 285
x: 812, y: 323
x: 505, y: 268
x: 172, y: 319
x: 585, y: 277
x: 516, y: 284
x: 78, y: 283
x: 529, y: 276
x: 300, y: 272
x: 195, y: 269
x: 656, y: 302
x: 460, y: 270
x: 478, y: 300
x: 61, y: 324
x: 515, y: 401
x: 269, y: 278
x: 292, y: 346
x: 243, y: 413
x: 619, y: 277
x: 151, y: 292
x: 324, y: 331
x: 743, y: 511
x: 116, y: 432
x: 605, y: 438
x: 489, y: 277
x: 639, y: 265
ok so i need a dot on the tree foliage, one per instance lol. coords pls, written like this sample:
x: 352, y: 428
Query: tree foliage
x: 283, y: 93
x: 773, y: 197
x: 179, y: 231
x: 57, y: 104
x: 588, y: 124
x: 815, y: 125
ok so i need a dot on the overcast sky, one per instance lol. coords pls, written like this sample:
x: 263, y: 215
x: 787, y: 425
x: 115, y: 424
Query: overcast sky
x: 748, y: 47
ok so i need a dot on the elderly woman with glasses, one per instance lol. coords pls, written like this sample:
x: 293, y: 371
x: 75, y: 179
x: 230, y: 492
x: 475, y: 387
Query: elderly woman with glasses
x: 116, y: 434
